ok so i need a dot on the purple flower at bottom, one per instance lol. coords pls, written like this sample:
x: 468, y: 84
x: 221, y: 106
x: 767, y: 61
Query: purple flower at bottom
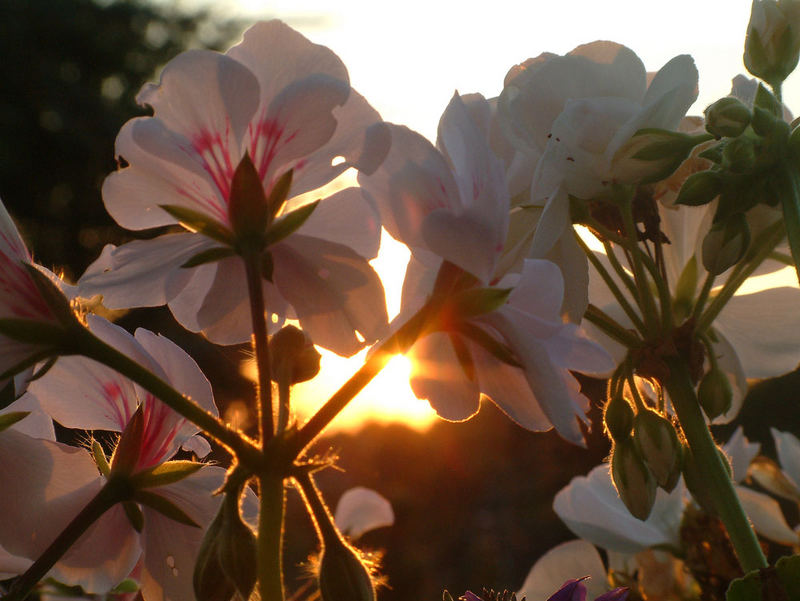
x: 575, y: 590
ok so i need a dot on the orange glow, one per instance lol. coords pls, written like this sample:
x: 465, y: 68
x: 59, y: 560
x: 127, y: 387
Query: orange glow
x: 388, y: 398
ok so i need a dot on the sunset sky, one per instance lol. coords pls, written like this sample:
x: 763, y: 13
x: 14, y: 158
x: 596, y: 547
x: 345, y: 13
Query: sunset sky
x: 408, y: 58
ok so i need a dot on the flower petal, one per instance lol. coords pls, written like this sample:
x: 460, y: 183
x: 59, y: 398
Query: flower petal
x: 741, y: 453
x: 575, y: 558
x: 360, y: 510
x: 788, y: 449
x: 767, y: 517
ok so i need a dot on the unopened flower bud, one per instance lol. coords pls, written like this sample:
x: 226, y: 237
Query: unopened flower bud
x: 292, y: 348
x: 727, y: 117
x: 342, y: 574
x: 226, y: 562
x: 772, y: 45
x: 700, y: 189
x: 715, y: 393
x: 652, y: 154
x: 739, y: 154
x: 632, y: 479
x: 618, y: 417
x: 658, y: 444
x: 726, y: 243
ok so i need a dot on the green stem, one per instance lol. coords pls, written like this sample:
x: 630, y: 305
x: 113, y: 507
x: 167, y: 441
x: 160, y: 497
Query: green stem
x: 284, y: 395
x: 611, y: 284
x: 623, y: 275
x: 105, y: 499
x: 609, y: 326
x: 397, y: 343
x: 317, y: 508
x: 87, y: 344
x: 765, y: 244
x: 700, y: 304
x: 646, y: 302
x: 270, y: 537
x: 252, y: 262
x: 715, y: 475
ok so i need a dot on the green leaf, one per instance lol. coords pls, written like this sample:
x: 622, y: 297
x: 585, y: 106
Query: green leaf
x: 164, y: 506
x: 165, y: 473
x: 134, y: 515
x: 289, y: 223
x: 9, y: 419
x: 775, y: 583
x: 195, y: 221
x: 211, y: 255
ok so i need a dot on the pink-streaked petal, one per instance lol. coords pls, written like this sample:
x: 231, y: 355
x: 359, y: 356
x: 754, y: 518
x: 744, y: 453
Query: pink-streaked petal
x: 83, y: 394
x: 437, y: 376
x: 104, y: 556
x: 592, y: 509
x: 170, y: 548
x: 45, y: 485
x: 767, y: 517
x: 465, y: 240
x: 788, y: 448
x: 334, y: 292
x: 143, y: 273
x: 360, y: 510
x: 346, y: 217
x: 559, y: 564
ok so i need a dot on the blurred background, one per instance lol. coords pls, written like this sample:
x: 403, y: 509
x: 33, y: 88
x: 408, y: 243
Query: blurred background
x: 472, y: 501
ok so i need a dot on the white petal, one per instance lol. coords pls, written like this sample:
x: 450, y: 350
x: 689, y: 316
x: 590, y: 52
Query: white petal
x: 729, y: 363
x: 437, y: 375
x: 572, y: 559
x: 170, y: 548
x: 37, y: 424
x: 591, y: 508
x: 767, y: 517
x: 540, y: 290
x: 677, y: 78
x: 333, y: 291
x: 765, y: 341
x: 360, y: 510
x: 741, y: 453
x: 553, y: 223
x: 12, y: 565
x: 788, y: 449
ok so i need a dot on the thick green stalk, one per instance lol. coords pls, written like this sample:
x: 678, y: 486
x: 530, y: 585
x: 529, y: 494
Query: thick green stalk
x: 105, y: 499
x: 252, y: 262
x: 610, y: 327
x: 270, y: 537
x: 87, y: 344
x: 715, y: 476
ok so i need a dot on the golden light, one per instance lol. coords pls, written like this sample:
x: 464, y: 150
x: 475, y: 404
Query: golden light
x: 388, y: 398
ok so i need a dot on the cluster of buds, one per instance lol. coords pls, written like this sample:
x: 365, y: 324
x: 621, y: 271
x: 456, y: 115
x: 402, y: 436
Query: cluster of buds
x: 772, y: 45
x: 646, y: 454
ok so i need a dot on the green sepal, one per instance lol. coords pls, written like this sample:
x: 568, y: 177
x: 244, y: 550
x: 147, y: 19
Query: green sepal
x: 713, y: 153
x: 51, y: 294
x: 211, y: 255
x: 765, y: 100
x: 479, y: 301
x: 247, y: 205
x: 195, y: 221
x: 279, y: 193
x: 165, y: 473
x: 289, y: 223
x: 129, y: 585
x: 780, y: 582
x: 12, y: 417
x: 129, y: 447
x: 100, y: 458
x: 790, y: 203
x: 446, y: 596
x: 134, y: 515
x: 495, y: 348
x: 31, y: 331
x: 700, y: 189
x: 164, y: 506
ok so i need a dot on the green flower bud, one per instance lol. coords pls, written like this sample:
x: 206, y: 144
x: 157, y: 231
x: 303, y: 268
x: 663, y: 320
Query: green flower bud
x: 633, y: 480
x: 700, y: 189
x: 293, y: 349
x: 772, y: 45
x: 726, y: 243
x: 727, y: 117
x: 715, y: 392
x: 658, y: 444
x: 226, y: 562
x: 618, y: 418
x: 739, y: 154
x: 342, y: 574
x: 653, y: 154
